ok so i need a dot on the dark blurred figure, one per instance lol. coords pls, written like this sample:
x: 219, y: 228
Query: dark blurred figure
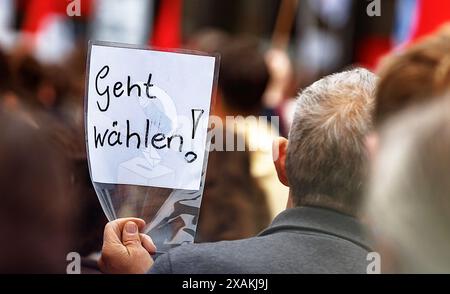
x: 39, y: 87
x: 8, y: 99
x: 210, y: 41
x: 234, y: 206
x: 75, y: 69
x: 243, y: 77
x: 51, y: 97
x: 37, y: 202
x: 89, y: 219
x: 244, y: 74
x: 26, y: 77
x: 5, y: 73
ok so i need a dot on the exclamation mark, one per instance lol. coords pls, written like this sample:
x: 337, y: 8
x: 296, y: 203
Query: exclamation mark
x: 196, y: 120
x: 191, y: 156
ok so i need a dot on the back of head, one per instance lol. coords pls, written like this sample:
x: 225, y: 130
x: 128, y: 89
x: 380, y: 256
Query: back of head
x: 414, y: 76
x: 27, y: 76
x: 409, y: 193
x: 326, y: 155
x: 243, y: 75
x: 35, y: 210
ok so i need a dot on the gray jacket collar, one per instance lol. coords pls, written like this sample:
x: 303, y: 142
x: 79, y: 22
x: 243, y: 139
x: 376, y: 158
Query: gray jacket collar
x: 322, y: 221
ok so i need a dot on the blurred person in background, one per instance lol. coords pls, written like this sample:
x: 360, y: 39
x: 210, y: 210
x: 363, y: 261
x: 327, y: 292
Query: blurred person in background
x: 37, y: 200
x: 234, y: 206
x: 53, y: 185
x: 243, y: 78
x: 38, y: 86
x: 409, y: 192
x: 71, y: 107
x: 324, y: 165
x: 414, y: 77
x: 89, y: 219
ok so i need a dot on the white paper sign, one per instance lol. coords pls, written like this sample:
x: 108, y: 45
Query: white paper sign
x: 147, y: 116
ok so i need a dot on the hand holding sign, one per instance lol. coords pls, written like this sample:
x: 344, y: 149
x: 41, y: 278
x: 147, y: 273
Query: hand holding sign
x: 146, y: 125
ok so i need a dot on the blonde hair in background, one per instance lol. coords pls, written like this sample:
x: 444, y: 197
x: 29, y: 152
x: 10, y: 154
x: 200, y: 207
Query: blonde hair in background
x: 414, y: 76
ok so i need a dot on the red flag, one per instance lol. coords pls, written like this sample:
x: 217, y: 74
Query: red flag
x: 37, y: 12
x: 431, y: 15
x: 167, y: 29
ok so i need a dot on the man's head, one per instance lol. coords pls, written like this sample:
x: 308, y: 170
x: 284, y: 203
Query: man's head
x: 414, y: 76
x: 409, y: 191
x: 325, y: 159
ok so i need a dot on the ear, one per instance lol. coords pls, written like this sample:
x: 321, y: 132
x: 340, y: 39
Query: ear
x: 279, y: 150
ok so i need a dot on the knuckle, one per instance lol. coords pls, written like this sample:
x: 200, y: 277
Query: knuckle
x: 131, y: 242
x: 108, y: 227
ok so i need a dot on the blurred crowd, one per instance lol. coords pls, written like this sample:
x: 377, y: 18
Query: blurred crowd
x: 46, y: 193
x: 46, y: 102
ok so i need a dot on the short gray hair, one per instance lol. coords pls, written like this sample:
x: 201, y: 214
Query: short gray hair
x: 409, y: 191
x: 326, y: 153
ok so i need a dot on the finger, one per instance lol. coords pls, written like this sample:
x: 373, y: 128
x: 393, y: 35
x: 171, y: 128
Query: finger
x: 113, y: 229
x: 130, y: 235
x: 148, y: 244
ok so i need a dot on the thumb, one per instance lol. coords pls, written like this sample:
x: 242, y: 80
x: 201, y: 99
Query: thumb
x: 130, y: 235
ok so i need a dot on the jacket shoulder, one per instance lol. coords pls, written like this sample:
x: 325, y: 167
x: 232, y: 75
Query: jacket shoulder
x: 218, y: 257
